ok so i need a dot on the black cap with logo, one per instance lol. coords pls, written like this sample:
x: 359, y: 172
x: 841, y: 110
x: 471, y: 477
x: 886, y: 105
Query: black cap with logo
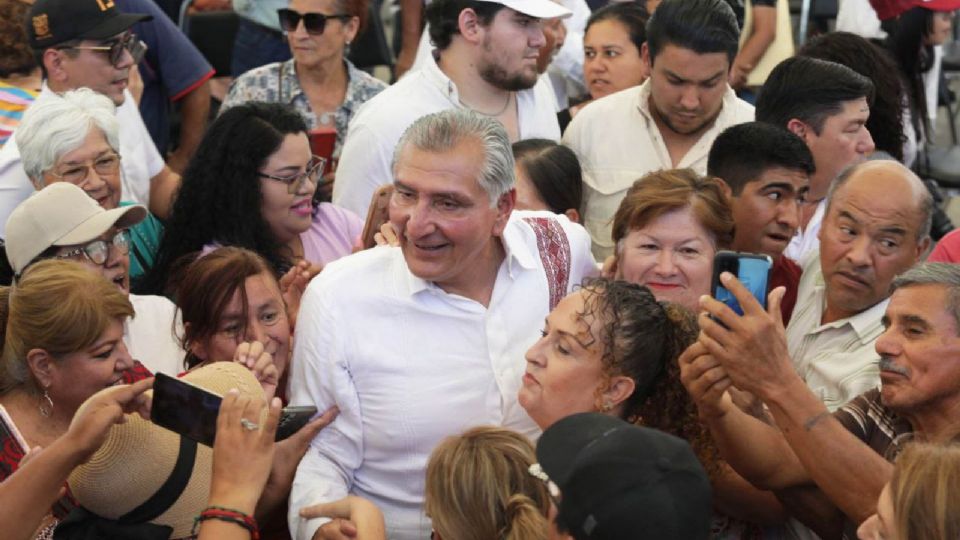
x: 52, y: 22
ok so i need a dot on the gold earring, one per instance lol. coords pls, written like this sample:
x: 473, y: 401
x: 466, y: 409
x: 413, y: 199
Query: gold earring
x: 46, y: 404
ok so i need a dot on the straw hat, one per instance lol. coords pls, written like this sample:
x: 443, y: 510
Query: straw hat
x: 139, y: 457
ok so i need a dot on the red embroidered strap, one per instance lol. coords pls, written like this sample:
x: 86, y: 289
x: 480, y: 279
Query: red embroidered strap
x: 554, y: 250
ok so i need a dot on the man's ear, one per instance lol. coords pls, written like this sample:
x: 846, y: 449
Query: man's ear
x: 42, y: 366
x: 725, y: 188
x: 505, y: 205
x: 645, y: 56
x: 53, y: 61
x: 573, y: 215
x: 799, y: 128
x: 469, y: 24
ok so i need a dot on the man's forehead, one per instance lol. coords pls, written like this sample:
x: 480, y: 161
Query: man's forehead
x: 924, y: 301
x: 882, y: 189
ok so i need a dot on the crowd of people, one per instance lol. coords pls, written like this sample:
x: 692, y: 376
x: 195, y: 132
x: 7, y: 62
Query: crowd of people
x: 490, y: 290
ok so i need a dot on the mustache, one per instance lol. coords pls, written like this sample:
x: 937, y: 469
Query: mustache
x: 886, y: 364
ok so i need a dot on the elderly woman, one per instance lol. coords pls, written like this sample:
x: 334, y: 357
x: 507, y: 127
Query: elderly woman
x: 667, y: 230
x: 74, y: 138
x: 63, y: 343
x: 612, y: 347
x: 919, y: 502
x: 319, y: 81
x: 251, y: 184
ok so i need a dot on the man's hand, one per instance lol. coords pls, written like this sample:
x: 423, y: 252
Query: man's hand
x: 705, y: 381
x: 354, y: 513
x: 738, y: 74
x: 338, y: 529
x: 751, y: 348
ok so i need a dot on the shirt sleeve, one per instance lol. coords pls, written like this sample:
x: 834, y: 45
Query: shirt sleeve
x: 321, y: 378
x: 364, y: 166
x: 853, y: 416
x: 172, y: 58
x: 582, y: 263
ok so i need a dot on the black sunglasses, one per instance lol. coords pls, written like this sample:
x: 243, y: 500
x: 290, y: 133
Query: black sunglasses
x: 313, y: 22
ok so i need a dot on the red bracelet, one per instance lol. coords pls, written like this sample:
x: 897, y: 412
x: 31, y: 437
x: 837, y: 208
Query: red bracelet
x: 229, y: 515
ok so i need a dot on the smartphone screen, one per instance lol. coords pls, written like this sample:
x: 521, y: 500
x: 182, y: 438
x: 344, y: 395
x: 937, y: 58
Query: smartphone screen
x: 185, y: 409
x: 753, y: 270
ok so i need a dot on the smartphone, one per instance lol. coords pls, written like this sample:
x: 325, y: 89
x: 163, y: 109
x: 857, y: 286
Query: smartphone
x: 752, y: 269
x: 322, y: 143
x: 185, y: 408
x: 9, y: 432
x: 292, y: 420
x: 191, y: 411
x: 377, y: 215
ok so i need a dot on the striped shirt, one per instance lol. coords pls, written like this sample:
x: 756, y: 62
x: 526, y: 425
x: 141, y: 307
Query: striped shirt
x: 877, y: 426
x: 13, y: 101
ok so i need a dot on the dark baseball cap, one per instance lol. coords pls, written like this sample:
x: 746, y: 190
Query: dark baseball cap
x: 620, y: 481
x: 52, y: 22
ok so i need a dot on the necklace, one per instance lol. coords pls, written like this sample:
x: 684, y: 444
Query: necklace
x: 493, y: 115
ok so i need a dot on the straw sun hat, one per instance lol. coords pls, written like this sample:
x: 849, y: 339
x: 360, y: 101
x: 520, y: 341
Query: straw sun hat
x: 148, y: 482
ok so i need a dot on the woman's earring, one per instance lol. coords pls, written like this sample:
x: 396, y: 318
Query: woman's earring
x: 46, y: 404
x: 346, y: 48
x: 607, y: 406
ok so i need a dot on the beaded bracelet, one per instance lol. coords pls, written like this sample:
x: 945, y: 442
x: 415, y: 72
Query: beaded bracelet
x: 229, y: 515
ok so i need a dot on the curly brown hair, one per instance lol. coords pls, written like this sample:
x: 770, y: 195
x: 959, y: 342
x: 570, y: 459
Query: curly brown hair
x: 642, y: 338
x: 16, y: 56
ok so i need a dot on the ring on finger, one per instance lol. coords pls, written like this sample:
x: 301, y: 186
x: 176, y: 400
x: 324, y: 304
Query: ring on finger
x: 249, y: 425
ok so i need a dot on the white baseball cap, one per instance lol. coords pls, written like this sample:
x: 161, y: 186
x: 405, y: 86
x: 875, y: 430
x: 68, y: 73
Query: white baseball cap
x: 541, y: 9
x: 60, y: 214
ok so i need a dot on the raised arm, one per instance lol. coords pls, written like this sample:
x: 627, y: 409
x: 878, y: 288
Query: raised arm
x: 752, y: 351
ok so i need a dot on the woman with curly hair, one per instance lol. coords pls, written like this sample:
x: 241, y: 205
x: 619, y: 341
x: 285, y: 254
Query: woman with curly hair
x: 251, y: 184
x: 612, y: 347
x: 19, y: 72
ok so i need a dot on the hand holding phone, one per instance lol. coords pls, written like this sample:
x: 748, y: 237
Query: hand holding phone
x: 752, y: 269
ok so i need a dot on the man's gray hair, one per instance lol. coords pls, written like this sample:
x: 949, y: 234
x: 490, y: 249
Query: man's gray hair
x: 926, y: 198
x: 943, y: 274
x: 443, y: 131
x: 57, y: 124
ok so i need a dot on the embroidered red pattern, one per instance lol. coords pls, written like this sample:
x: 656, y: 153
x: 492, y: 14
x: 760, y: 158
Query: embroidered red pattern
x: 554, y: 250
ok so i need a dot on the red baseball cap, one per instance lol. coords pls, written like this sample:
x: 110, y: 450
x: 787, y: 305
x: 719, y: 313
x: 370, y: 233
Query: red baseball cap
x: 889, y: 9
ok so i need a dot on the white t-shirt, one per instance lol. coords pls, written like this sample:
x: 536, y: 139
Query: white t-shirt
x: 140, y: 162
x: 375, y: 129
x: 409, y: 364
x: 151, y: 335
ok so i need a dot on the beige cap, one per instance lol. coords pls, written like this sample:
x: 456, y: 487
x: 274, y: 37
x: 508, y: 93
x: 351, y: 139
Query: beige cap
x: 60, y: 214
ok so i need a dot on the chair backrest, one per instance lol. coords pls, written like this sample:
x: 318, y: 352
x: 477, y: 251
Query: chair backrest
x: 212, y: 32
x: 370, y: 47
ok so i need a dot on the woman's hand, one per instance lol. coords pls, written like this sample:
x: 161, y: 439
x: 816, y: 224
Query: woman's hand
x: 354, y: 516
x: 387, y: 236
x: 293, y: 284
x: 100, y: 412
x: 259, y: 359
x: 243, y: 450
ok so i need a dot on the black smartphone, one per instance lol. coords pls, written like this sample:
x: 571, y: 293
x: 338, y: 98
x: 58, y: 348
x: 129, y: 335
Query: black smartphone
x: 292, y: 420
x: 185, y: 408
x: 752, y: 269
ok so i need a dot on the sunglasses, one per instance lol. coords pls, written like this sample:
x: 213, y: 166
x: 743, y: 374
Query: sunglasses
x: 314, y: 23
x: 115, y: 48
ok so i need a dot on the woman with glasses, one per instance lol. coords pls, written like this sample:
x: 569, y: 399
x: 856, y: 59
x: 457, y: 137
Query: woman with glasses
x: 251, y: 184
x: 319, y: 81
x: 74, y: 138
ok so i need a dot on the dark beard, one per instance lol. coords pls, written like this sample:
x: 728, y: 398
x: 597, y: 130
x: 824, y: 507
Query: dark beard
x: 499, y: 78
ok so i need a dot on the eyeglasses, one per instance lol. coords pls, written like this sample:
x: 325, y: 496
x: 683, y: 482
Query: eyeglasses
x: 115, y: 48
x: 77, y: 173
x: 98, y: 251
x: 314, y: 23
x: 293, y: 182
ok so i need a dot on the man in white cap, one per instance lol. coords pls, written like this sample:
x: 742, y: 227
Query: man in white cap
x: 486, y: 60
x: 62, y: 221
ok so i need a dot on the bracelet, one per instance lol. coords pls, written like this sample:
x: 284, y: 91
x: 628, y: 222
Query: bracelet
x: 229, y: 515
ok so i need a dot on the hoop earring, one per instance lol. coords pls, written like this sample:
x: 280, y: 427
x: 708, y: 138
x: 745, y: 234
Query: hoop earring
x: 46, y: 405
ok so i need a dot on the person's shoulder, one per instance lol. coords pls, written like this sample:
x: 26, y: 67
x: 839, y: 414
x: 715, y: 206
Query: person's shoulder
x: 740, y: 111
x: 366, y: 82
x: 533, y: 224
x: 620, y: 101
x: 257, y: 74
x: 358, y: 273
x: 147, y: 304
x: 403, y: 99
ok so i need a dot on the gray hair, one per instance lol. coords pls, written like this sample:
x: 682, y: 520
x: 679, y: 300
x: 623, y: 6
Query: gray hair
x: 943, y: 274
x: 57, y: 124
x: 926, y: 198
x: 443, y: 131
